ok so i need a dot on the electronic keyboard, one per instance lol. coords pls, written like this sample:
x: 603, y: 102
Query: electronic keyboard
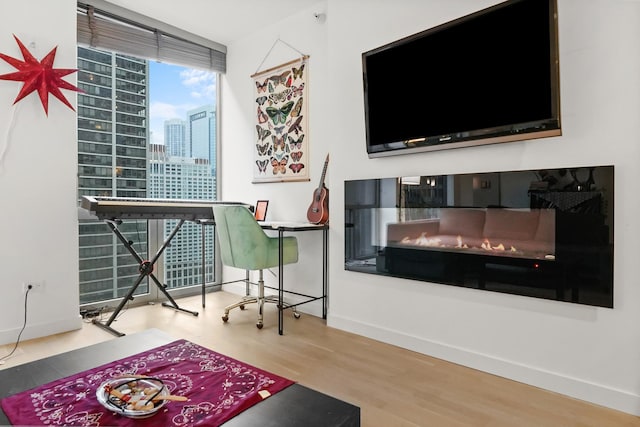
x: 119, y: 208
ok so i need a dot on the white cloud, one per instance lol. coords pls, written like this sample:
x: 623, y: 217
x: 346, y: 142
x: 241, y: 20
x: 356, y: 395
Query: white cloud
x: 157, y: 136
x: 201, y: 84
x: 191, y: 77
x: 165, y: 111
x: 210, y: 90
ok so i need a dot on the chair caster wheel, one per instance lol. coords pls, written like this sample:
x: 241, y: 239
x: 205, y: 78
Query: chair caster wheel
x: 296, y: 315
x: 225, y: 318
x: 259, y: 325
x: 241, y: 307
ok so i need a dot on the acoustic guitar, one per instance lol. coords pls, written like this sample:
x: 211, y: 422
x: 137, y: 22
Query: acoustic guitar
x: 318, y: 212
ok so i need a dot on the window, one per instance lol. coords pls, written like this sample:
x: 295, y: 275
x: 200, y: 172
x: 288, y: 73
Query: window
x: 138, y: 137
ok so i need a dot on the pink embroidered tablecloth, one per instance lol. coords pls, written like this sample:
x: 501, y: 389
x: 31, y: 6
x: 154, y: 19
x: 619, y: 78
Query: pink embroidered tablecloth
x: 218, y: 388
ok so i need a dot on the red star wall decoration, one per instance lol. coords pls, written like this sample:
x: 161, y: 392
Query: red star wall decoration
x: 39, y: 76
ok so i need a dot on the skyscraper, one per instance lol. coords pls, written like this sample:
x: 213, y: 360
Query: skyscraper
x: 174, y: 177
x: 175, y: 138
x: 201, y: 134
x: 112, y: 161
x: 115, y: 158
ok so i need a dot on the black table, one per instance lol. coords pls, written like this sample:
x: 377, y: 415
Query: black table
x: 296, y: 405
x: 283, y: 227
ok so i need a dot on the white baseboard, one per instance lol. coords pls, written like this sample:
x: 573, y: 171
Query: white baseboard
x: 42, y: 329
x: 573, y: 387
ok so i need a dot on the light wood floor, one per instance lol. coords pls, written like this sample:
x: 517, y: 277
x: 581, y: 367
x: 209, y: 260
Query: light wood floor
x: 392, y: 386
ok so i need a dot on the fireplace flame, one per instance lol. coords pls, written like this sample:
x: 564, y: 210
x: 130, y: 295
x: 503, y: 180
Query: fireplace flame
x: 500, y: 247
x: 424, y: 240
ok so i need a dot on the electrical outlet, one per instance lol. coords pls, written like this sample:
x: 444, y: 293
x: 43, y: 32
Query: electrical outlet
x: 34, y: 286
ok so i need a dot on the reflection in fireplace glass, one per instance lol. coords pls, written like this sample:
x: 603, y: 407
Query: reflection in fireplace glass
x: 538, y: 233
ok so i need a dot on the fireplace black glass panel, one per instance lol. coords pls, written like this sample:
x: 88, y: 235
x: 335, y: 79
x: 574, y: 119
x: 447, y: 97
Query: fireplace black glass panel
x: 538, y: 233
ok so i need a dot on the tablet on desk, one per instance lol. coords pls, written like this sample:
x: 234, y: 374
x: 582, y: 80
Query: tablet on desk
x: 261, y: 210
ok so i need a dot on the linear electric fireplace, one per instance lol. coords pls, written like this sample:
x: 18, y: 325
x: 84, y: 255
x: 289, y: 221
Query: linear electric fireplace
x: 539, y: 233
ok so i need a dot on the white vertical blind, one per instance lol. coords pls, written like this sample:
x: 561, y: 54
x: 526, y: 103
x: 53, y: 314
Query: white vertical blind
x: 105, y: 26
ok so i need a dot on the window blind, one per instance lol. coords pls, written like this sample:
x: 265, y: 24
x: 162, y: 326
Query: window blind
x: 102, y: 25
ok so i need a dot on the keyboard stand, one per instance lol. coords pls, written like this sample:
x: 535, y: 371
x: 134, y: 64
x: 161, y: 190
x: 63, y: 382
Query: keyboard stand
x: 146, y: 269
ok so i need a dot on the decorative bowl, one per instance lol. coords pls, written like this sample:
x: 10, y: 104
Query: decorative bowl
x: 133, y: 397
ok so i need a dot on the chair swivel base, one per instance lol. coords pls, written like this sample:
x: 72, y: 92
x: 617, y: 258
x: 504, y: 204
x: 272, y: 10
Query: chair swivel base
x: 260, y: 301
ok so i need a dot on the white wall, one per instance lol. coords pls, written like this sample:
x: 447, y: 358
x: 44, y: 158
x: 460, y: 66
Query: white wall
x: 274, y: 45
x: 38, y: 167
x: 587, y: 352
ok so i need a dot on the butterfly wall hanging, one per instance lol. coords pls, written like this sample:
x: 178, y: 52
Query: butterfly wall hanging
x: 281, y: 140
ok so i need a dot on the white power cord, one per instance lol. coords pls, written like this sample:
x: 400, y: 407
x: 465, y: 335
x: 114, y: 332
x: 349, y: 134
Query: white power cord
x: 7, y: 136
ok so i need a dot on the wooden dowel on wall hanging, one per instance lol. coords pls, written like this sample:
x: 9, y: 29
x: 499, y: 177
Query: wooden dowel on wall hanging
x: 303, y: 58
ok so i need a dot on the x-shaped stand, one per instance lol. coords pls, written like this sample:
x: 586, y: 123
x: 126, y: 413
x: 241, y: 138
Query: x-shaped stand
x: 146, y: 270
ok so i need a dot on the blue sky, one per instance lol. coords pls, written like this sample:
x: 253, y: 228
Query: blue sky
x: 173, y: 90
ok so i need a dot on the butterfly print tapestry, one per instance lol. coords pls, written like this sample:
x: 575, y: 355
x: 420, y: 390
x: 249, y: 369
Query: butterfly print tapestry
x: 281, y: 148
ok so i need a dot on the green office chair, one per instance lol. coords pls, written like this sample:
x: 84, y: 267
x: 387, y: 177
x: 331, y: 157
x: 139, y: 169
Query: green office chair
x: 244, y: 244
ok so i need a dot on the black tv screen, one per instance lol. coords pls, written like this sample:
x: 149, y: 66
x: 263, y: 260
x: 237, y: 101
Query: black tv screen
x: 488, y: 77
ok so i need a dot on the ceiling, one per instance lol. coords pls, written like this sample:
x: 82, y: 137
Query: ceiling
x: 222, y: 21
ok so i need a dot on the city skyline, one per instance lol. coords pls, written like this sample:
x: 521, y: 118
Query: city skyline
x: 173, y: 91
x: 125, y: 98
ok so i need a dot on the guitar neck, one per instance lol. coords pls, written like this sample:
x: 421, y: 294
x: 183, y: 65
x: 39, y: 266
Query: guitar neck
x: 324, y: 172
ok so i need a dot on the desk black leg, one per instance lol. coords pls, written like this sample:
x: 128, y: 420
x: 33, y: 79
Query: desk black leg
x: 204, y: 263
x: 325, y: 269
x: 280, y: 281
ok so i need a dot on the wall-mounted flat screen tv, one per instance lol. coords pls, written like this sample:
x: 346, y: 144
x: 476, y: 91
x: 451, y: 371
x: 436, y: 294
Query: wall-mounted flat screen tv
x: 488, y: 77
